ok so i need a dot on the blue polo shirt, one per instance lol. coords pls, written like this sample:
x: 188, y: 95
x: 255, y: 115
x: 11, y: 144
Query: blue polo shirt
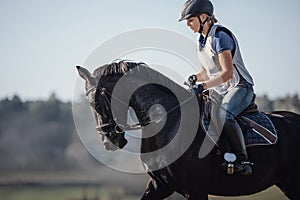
x: 222, y: 41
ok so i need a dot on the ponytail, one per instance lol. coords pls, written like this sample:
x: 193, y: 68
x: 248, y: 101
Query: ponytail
x: 213, y: 19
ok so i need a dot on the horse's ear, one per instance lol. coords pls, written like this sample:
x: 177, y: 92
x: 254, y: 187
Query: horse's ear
x: 85, y: 74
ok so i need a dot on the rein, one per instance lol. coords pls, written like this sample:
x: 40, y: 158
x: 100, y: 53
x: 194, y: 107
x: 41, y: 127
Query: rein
x: 120, y: 128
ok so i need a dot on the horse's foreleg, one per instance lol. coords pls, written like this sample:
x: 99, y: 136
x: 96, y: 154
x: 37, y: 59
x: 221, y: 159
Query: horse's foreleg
x: 156, y: 191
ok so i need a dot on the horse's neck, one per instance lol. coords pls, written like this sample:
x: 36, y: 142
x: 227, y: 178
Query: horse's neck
x: 143, y: 100
x: 151, y: 105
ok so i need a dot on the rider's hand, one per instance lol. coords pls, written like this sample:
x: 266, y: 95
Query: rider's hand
x: 198, y: 89
x: 192, y: 79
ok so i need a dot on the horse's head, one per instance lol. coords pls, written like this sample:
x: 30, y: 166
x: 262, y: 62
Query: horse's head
x: 113, y: 135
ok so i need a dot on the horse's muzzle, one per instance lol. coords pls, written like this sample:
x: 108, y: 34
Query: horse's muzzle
x: 120, y: 143
x: 109, y: 146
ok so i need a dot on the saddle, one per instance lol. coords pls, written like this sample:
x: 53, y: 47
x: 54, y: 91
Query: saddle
x: 257, y: 128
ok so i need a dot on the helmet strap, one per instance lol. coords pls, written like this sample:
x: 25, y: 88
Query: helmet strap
x: 202, y: 23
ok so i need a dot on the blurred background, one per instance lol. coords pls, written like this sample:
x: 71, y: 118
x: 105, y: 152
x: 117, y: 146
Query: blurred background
x: 41, y: 155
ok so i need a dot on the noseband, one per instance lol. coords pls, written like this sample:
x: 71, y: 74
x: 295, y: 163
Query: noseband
x: 118, y: 128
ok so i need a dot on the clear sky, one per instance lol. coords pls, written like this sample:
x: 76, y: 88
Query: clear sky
x: 41, y: 41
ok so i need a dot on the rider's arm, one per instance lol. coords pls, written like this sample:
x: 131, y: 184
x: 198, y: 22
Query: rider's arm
x: 224, y: 46
x: 202, y: 76
x: 226, y: 74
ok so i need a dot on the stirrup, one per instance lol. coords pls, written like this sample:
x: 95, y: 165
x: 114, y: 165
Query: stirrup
x: 247, y: 163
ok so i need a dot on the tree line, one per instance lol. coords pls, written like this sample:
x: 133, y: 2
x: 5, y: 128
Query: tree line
x: 34, y: 134
x: 288, y: 103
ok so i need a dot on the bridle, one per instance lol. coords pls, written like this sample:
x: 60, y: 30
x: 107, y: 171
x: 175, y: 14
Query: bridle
x: 117, y: 127
x: 120, y: 128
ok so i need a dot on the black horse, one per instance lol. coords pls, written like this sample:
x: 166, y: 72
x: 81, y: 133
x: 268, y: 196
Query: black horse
x: 114, y: 87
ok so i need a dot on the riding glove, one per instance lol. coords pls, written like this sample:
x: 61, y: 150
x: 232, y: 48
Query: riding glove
x: 198, y: 89
x: 192, y: 79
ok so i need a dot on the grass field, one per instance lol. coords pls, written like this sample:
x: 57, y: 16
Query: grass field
x: 61, y: 193
x: 104, y: 193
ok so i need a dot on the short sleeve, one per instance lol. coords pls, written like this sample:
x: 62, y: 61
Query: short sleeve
x: 223, y: 42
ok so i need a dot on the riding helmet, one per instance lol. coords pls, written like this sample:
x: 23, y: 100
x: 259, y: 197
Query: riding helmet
x: 192, y: 8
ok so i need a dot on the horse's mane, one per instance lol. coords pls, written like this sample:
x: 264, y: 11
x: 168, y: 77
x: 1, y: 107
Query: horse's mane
x: 117, y: 68
x: 148, y: 74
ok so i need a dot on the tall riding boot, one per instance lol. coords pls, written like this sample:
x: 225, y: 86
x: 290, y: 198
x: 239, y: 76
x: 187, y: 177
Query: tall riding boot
x: 235, y: 137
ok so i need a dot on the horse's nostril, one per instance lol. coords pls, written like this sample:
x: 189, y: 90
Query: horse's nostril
x: 110, y: 147
x: 106, y: 144
x: 123, y: 143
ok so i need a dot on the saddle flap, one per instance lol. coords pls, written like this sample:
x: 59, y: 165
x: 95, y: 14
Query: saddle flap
x: 255, y: 125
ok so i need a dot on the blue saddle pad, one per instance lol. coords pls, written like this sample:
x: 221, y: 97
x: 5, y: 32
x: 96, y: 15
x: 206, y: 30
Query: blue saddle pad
x: 252, y: 136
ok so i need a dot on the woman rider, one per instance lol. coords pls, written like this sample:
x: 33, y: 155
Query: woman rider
x: 222, y: 72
